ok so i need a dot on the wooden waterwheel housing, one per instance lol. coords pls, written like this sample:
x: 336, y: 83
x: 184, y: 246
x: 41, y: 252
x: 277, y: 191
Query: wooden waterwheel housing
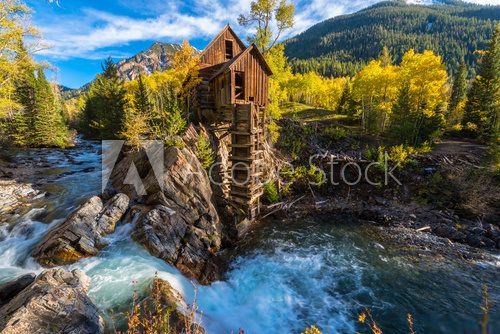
x: 233, y: 96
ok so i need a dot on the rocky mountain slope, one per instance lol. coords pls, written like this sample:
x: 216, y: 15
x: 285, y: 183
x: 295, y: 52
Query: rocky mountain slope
x: 341, y: 45
x: 155, y: 59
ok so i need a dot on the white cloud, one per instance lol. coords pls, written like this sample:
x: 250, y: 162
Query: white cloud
x: 104, y: 30
x: 485, y: 2
x: 94, y: 33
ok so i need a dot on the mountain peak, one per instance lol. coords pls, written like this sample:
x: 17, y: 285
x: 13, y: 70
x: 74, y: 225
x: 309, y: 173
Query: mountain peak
x: 156, y: 58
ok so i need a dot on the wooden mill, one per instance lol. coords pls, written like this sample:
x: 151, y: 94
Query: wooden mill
x: 232, y: 98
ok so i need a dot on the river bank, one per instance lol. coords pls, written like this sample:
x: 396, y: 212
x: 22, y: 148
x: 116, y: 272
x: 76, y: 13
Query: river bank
x: 424, y: 231
x: 444, y: 199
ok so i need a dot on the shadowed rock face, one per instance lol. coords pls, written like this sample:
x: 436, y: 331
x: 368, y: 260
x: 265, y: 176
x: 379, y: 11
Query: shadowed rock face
x: 81, y: 234
x: 177, y: 220
x: 56, y: 302
x: 10, y: 289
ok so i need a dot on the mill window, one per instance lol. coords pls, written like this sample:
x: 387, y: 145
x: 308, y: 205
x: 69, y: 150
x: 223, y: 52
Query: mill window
x: 239, y: 85
x: 229, y: 49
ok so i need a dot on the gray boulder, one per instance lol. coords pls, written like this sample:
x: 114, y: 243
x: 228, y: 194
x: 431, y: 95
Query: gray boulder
x: 56, y: 302
x: 81, y: 234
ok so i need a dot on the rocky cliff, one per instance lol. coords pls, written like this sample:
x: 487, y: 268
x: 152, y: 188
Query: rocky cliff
x: 177, y: 219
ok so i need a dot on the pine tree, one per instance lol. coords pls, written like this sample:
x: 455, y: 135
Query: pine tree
x: 459, y: 90
x: 458, y: 98
x: 25, y: 83
x: 345, y: 100
x: 403, y: 119
x: 142, y: 98
x: 48, y: 125
x: 19, y: 130
x: 43, y: 117
x: 483, y: 107
x: 104, y: 114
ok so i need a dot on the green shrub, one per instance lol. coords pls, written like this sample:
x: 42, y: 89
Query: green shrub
x: 174, y: 142
x: 271, y: 194
x: 335, y: 133
x: 205, y: 152
x: 316, y: 176
x: 376, y: 154
x: 301, y: 176
x: 399, y: 155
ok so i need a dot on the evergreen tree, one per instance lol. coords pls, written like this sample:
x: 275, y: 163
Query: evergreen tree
x: 142, y: 97
x: 341, y: 46
x: 48, y: 125
x: 403, y: 119
x: 459, y: 90
x: 104, y: 114
x: 458, y: 97
x: 19, y: 130
x: 483, y: 107
x: 345, y: 100
x: 25, y: 83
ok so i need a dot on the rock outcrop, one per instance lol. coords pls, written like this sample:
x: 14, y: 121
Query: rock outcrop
x: 14, y: 194
x: 10, y: 289
x: 56, y: 302
x: 81, y: 234
x: 176, y: 220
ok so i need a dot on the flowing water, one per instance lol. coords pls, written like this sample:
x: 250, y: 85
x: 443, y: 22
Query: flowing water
x: 283, y: 277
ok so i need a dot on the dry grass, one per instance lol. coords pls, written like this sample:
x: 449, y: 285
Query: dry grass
x: 158, y: 313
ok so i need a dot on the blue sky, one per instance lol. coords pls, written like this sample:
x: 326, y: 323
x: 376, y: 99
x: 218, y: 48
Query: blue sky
x: 81, y: 33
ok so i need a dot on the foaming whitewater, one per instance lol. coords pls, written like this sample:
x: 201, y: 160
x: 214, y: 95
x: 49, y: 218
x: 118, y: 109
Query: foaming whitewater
x: 282, y: 278
x: 15, y: 243
x: 287, y: 285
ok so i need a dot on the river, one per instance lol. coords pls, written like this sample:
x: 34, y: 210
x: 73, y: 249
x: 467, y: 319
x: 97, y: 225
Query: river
x: 283, y: 277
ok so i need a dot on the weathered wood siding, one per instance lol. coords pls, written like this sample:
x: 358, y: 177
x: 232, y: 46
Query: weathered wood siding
x: 215, y: 53
x: 222, y: 90
x: 256, y: 79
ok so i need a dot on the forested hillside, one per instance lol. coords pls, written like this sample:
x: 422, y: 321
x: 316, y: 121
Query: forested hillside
x: 342, y: 45
x: 31, y: 108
